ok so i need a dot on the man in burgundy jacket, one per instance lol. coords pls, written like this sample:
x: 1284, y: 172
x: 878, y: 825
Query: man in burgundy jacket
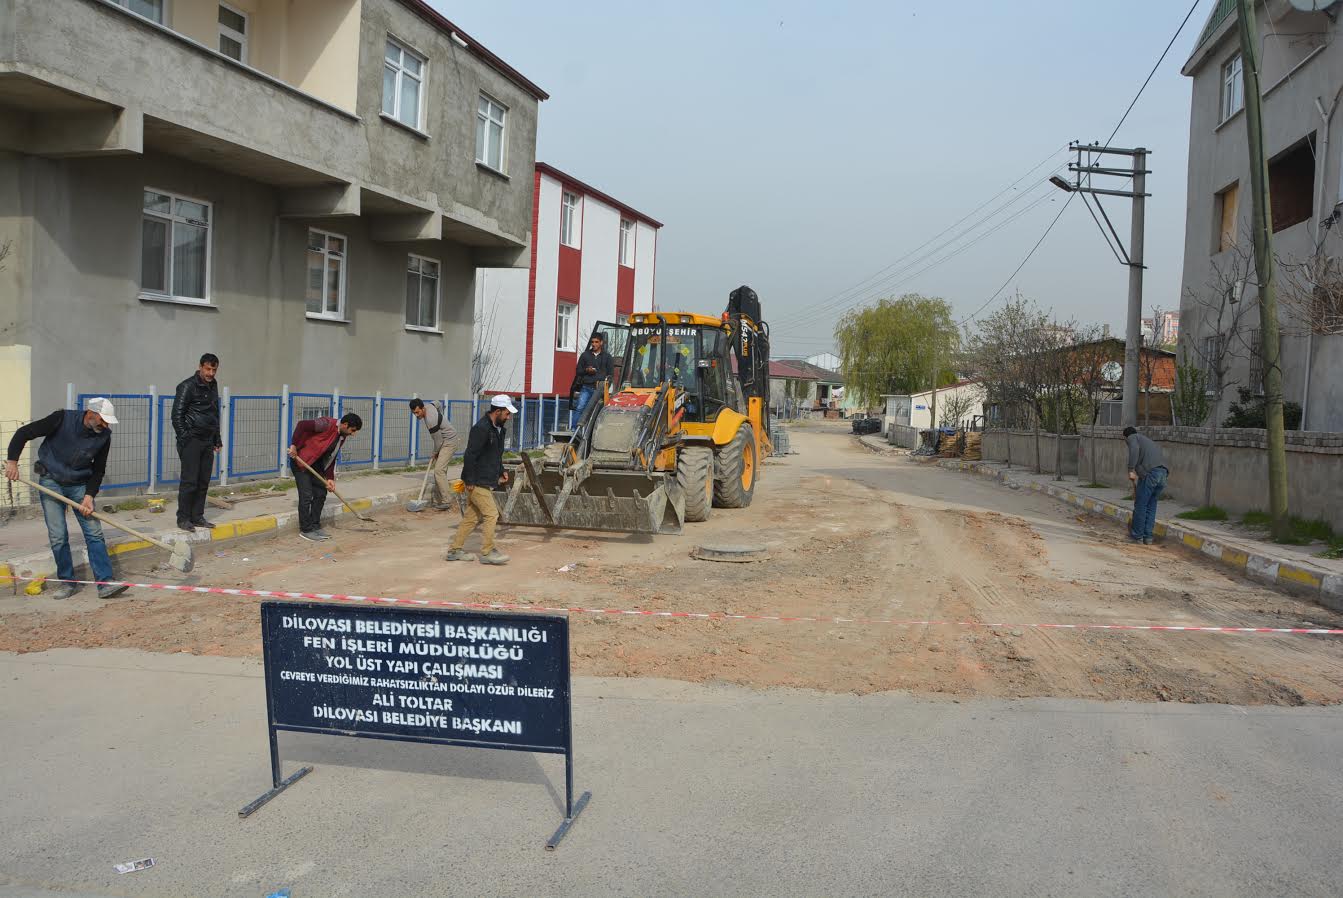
x: 317, y: 442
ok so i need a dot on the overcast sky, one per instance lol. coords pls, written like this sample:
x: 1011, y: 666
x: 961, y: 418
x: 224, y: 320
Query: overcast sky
x: 804, y: 148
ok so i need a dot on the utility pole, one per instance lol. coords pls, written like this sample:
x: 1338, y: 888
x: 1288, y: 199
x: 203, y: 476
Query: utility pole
x: 1269, y: 343
x: 1132, y: 257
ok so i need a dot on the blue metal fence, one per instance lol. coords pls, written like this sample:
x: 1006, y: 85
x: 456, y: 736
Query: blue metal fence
x: 397, y: 431
x: 129, y: 458
x: 254, y: 435
x: 167, y: 462
x: 358, y: 449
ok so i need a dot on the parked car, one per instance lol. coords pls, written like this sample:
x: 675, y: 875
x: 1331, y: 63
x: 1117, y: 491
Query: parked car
x: 866, y: 425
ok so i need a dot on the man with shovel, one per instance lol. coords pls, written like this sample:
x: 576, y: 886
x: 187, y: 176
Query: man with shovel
x: 317, y: 441
x: 71, y: 461
x: 444, y: 436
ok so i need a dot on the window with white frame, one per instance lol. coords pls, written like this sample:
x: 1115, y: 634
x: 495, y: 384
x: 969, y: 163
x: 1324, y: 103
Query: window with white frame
x: 175, y: 247
x: 422, y: 293
x: 150, y: 9
x: 490, y: 119
x: 569, y: 219
x: 566, y: 326
x: 402, y: 83
x: 627, y: 243
x: 1233, y: 87
x: 233, y: 33
x: 326, y: 275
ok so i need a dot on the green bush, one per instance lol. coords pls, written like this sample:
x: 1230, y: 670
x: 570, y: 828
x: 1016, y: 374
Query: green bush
x: 1206, y: 513
x: 1249, y: 411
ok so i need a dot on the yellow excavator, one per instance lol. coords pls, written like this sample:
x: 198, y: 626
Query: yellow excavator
x: 682, y: 427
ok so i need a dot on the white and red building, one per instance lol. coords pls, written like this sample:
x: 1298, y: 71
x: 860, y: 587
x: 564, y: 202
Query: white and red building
x: 593, y: 259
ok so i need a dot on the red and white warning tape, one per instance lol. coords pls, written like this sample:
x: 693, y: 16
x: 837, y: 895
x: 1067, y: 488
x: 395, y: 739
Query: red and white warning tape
x: 691, y: 615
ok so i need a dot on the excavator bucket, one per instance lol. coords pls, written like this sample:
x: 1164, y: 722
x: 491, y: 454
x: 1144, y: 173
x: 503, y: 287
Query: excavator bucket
x: 611, y: 501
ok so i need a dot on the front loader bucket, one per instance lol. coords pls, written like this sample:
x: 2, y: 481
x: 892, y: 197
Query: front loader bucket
x: 612, y: 501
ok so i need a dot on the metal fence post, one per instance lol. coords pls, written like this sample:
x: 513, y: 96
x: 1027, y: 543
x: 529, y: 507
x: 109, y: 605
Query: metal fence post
x: 414, y: 442
x: 284, y: 437
x: 377, y: 429
x: 155, y: 439
x: 225, y: 437
x: 70, y: 397
x: 556, y: 424
x: 521, y: 428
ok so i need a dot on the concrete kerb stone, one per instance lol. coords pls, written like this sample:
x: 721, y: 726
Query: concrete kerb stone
x: 1323, y: 587
x: 41, y: 564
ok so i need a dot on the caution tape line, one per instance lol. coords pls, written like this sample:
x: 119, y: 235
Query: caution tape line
x: 690, y: 615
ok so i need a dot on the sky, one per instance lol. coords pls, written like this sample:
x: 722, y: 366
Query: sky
x: 813, y: 150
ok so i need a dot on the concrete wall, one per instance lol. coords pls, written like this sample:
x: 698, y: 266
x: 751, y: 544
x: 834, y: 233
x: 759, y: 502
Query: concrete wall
x: 902, y: 435
x: 1018, y: 447
x: 93, y: 330
x: 1218, y: 158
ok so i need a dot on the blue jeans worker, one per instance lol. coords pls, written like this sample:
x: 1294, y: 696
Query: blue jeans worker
x: 1147, y: 471
x: 594, y: 368
x: 72, y: 461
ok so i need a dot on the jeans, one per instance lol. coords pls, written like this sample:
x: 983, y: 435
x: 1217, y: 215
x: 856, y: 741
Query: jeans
x: 1146, y: 492
x: 53, y: 512
x: 585, y: 395
x: 198, y: 458
x: 311, y: 498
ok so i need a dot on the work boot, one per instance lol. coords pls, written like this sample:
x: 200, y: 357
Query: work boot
x: 459, y: 555
x: 494, y: 556
x: 65, y: 590
x: 109, y: 590
x: 203, y: 523
x: 185, y: 525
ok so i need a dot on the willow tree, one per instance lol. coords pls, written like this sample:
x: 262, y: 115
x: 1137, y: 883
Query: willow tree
x: 904, y: 345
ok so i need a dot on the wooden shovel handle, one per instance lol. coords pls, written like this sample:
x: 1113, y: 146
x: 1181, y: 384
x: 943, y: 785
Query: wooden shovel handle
x: 106, y: 520
x: 307, y: 467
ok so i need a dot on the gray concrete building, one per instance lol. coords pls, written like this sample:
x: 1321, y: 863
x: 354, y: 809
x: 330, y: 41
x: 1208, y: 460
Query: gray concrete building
x: 304, y: 187
x: 1302, y: 88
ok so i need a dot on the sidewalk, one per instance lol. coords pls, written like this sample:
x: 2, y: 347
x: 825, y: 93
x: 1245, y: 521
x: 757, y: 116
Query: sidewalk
x: 1295, y: 568
x: 24, y: 550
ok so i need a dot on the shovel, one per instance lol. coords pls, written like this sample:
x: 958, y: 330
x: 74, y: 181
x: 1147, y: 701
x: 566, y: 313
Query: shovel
x: 418, y: 504
x: 181, y: 552
x: 307, y: 467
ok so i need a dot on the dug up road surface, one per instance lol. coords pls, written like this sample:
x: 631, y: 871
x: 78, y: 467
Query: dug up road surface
x: 851, y: 534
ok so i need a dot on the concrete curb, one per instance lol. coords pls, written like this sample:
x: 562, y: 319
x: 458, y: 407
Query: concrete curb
x: 41, y: 564
x: 1322, y: 586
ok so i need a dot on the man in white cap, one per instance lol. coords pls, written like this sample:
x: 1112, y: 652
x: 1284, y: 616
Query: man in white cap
x: 483, y: 471
x: 71, y: 461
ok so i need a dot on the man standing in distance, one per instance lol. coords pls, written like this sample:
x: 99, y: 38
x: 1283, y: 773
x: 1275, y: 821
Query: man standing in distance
x: 71, y: 461
x: 483, y: 470
x: 1147, y: 470
x: 196, y: 423
x: 444, y: 436
x: 594, y: 368
x: 317, y: 441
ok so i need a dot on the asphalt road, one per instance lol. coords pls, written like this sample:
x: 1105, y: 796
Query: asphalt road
x: 114, y: 755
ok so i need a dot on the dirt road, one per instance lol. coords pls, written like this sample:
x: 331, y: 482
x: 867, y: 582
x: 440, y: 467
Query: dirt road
x: 852, y: 534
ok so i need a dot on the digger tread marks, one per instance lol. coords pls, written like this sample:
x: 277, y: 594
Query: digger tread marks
x: 694, y: 474
x: 729, y: 462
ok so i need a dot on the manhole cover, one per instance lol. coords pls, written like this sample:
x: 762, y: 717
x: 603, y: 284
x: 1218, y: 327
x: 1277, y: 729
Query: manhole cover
x: 730, y: 553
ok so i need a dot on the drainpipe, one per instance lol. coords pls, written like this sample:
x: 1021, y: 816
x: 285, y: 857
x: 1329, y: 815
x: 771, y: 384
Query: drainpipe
x: 1327, y: 117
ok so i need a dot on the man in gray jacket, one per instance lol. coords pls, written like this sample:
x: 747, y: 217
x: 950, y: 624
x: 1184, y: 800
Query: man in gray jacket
x: 1147, y: 471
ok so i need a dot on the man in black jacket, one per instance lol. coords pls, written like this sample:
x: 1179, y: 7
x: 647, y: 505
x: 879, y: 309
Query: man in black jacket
x: 196, y: 422
x: 594, y: 368
x: 483, y: 471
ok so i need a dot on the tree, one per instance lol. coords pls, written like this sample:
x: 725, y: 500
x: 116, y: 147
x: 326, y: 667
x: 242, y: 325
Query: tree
x: 1005, y: 350
x: 487, y: 369
x: 1083, y: 371
x: 903, y: 345
x: 1189, y: 403
x: 957, y: 405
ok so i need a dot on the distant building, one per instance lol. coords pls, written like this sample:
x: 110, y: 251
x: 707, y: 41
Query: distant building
x: 1162, y: 329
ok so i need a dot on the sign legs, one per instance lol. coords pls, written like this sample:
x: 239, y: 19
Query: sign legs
x: 278, y: 785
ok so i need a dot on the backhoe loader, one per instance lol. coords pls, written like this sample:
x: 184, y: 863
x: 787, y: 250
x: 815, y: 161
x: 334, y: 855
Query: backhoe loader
x: 681, y: 428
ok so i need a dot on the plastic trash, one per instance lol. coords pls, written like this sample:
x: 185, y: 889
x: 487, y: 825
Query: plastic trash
x: 135, y: 866
x: 34, y: 588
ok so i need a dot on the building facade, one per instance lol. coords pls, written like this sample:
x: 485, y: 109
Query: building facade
x: 1301, y: 79
x: 304, y: 187
x: 594, y: 259
x: 1162, y: 329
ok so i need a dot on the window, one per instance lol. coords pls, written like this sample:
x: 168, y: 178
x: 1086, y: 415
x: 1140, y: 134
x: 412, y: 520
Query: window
x: 627, y: 242
x: 569, y: 219
x: 1212, y: 361
x: 1291, y: 185
x: 402, y: 80
x: 326, y: 275
x: 490, y: 117
x: 175, y: 247
x: 422, y: 293
x: 232, y: 33
x: 566, y: 326
x: 150, y: 9
x: 1233, y: 88
x: 1228, y: 207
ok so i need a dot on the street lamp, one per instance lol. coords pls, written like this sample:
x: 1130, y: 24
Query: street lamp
x: 1061, y: 184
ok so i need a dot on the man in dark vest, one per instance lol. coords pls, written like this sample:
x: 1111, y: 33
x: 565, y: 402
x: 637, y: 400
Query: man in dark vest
x: 317, y: 442
x: 71, y: 461
x: 196, y: 423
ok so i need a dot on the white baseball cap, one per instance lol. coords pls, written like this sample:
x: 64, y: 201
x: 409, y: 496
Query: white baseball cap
x: 503, y: 401
x: 103, y: 407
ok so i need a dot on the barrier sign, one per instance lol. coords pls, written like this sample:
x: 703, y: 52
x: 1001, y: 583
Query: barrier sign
x: 481, y: 679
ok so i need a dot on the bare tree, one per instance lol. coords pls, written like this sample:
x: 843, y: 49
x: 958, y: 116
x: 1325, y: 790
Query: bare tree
x: 1083, y: 370
x: 1006, y: 350
x: 487, y: 369
x: 956, y: 405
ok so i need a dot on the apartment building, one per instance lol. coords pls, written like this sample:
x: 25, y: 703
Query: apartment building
x: 1301, y: 79
x: 305, y: 187
x: 594, y: 259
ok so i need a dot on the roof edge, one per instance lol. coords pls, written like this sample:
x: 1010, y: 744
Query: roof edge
x: 548, y: 169
x: 437, y: 19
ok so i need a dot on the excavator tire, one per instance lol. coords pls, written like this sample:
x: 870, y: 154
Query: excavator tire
x: 694, y: 475
x: 735, y: 467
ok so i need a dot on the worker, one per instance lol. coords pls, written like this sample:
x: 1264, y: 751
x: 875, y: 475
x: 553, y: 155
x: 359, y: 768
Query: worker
x: 444, y: 436
x: 594, y: 368
x: 1147, y: 471
x: 483, y: 471
x: 196, y: 423
x: 72, y: 461
x: 317, y: 441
